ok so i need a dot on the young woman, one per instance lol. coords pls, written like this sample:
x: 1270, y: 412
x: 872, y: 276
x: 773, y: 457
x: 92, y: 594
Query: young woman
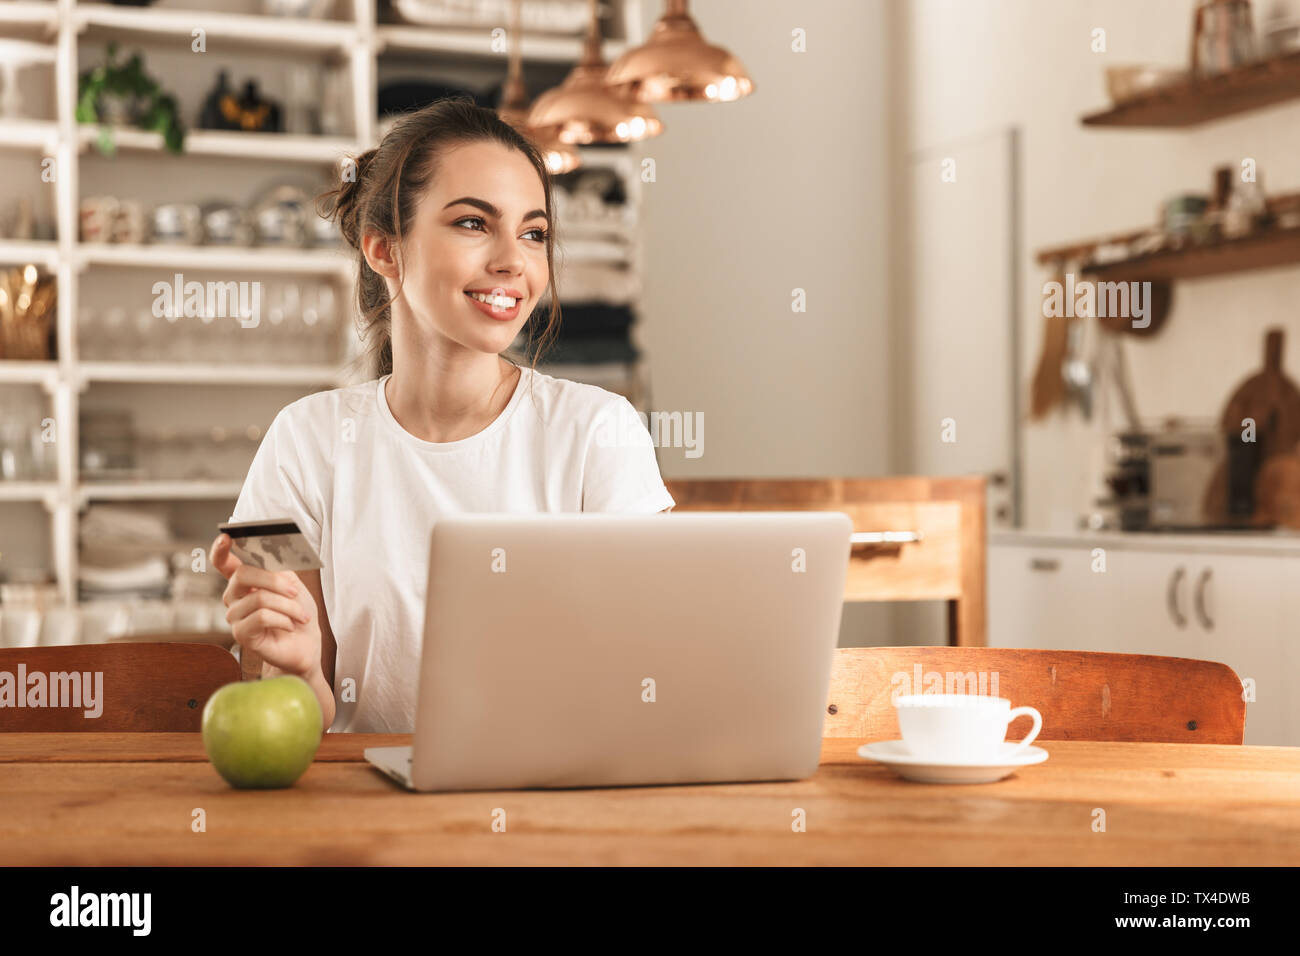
x: 452, y: 220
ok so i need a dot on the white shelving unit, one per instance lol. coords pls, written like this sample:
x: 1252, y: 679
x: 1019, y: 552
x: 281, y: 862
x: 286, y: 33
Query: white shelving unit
x: 353, y: 42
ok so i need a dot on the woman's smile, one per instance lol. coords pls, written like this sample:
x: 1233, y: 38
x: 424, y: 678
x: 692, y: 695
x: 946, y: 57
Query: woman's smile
x: 494, y: 306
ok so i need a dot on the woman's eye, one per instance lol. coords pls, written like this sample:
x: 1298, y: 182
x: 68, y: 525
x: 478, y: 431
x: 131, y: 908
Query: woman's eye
x: 541, y: 233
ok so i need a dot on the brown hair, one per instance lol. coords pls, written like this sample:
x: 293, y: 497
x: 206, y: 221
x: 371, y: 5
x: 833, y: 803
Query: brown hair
x: 379, y: 191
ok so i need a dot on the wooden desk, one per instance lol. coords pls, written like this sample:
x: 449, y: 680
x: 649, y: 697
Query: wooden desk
x: 127, y: 799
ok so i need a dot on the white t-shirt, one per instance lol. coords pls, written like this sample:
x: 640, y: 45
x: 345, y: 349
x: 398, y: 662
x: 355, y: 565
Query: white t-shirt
x: 366, y: 493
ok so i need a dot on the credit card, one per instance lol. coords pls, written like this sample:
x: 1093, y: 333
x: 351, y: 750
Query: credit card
x: 276, y: 544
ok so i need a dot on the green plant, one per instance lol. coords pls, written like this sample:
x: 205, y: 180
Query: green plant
x: 154, y: 109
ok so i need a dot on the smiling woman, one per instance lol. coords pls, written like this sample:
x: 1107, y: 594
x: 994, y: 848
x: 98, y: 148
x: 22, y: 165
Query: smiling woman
x: 452, y: 222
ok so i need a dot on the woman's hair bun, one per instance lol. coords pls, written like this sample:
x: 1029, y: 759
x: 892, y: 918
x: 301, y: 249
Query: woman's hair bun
x: 340, y: 204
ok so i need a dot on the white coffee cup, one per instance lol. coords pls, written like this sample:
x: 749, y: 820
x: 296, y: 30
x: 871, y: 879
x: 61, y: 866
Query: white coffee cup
x: 961, y: 727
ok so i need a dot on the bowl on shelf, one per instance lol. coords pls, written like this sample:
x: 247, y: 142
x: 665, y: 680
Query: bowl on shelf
x: 1124, y: 83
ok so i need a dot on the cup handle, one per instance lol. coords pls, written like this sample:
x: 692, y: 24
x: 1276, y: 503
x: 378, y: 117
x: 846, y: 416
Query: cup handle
x: 1029, y: 738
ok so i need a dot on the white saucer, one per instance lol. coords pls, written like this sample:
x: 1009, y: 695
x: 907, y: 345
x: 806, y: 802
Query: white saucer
x: 894, y: 753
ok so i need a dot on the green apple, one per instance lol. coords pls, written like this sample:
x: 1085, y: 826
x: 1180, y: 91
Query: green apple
x: 262, y: 734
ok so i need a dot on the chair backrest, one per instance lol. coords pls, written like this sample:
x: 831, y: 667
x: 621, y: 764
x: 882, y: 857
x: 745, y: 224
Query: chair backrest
x: 111, y: 687
x: 1082, y: 695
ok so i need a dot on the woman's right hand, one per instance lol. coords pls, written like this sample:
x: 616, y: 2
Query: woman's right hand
x: 270, y: 613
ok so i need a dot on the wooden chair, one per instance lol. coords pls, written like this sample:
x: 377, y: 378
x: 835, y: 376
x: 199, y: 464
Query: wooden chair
x: 1082, y: 695
x: 145, y: 686
x: 943, y: 560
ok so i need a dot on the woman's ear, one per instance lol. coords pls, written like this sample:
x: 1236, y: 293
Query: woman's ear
x: 378, y: 251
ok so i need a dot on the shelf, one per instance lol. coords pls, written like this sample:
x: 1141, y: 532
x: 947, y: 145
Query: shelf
x: 17, y: 252
x: 358, y: 49
x: 234, y: 259
x: 224, y: 30
x: 29, y: 134
x: 537, y: 48
x: 19, y: 372
x: 28, y: 490
x: 28, y: 20
x: 1277, y: 247
x: 194, y: 490
x: 195, y: 373
x: 1193, y: 102
x: 283, y: 147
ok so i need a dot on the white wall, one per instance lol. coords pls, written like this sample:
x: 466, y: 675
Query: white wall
x: 783, y: 189
x: 967, y: 66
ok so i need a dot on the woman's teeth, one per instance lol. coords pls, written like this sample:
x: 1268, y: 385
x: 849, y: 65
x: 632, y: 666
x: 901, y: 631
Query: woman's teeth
x: 500, y: 301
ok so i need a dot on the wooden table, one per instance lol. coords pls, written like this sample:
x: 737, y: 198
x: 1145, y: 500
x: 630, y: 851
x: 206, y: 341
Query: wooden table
x: 129, y: 799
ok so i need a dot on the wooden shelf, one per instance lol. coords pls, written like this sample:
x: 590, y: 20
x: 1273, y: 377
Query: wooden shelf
x: 1276, y: 247
x: 1193, y: 102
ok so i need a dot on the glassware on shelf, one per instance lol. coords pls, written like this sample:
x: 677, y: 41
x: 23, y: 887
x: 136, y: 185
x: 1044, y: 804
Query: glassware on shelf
x: 146, y: 332
x: 16, y: 462
x: 317, y: 317
x: 114, y: 331
x: 24, y: 454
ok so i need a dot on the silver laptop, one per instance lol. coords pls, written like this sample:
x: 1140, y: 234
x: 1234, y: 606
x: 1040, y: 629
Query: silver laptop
x: 600, y: 650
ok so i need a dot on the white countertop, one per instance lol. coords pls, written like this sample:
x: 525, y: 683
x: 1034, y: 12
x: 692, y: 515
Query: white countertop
x: 1223, y: 542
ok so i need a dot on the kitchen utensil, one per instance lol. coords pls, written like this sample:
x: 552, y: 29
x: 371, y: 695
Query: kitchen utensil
x: 1047, y: 389
x: 281, y: 215
x: 1076, y: 371
x: 97, y: 214
x: 225, y: 224
x: 1277, y: 491
x: 1272, y: 401
x: 178, y: 224
x: 1158, y: 305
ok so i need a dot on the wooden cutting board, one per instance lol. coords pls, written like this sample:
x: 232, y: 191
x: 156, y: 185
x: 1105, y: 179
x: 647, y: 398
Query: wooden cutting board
x: 1272, y: 401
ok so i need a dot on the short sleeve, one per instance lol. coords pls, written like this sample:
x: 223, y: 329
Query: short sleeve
x: 620, y: 472
x: 279, y: 483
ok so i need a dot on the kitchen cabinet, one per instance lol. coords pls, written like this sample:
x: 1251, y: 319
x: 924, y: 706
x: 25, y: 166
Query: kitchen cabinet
x: 1229, y: 605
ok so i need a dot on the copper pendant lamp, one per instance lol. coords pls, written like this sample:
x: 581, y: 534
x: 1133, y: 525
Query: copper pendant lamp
x: 560, y: 157
x: 677, y: 64
x: 582, y: 110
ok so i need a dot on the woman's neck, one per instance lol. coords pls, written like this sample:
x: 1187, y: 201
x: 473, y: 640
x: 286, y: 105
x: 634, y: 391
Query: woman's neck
x: 449, y: 400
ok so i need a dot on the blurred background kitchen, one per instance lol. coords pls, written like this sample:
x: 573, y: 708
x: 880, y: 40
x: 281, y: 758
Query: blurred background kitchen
x: 910, y: 174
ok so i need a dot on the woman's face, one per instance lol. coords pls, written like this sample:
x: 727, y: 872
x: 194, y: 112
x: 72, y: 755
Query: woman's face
x: 480, y: 226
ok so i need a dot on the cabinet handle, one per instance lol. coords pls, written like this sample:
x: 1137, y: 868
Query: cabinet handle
x: 884, y: 537
x: 1044, y: 564
x: 1199, y: 604
x: 1171, y: 596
